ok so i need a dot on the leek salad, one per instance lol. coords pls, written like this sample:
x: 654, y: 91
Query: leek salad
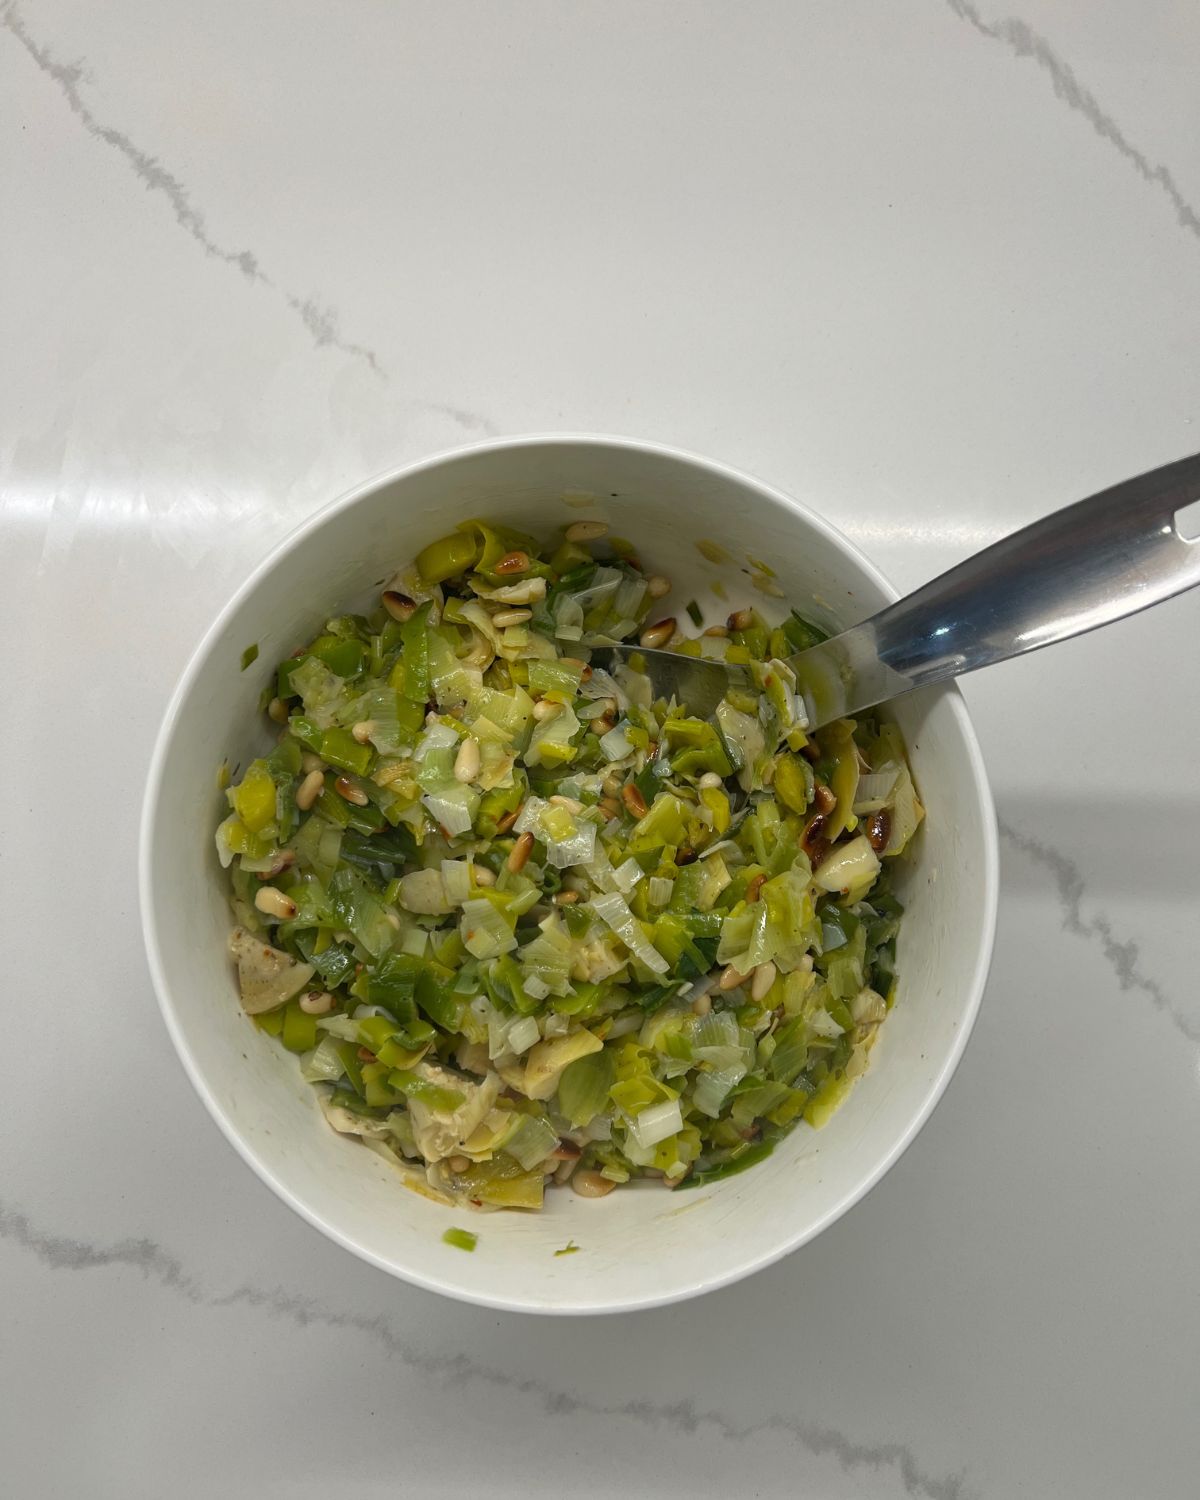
x: 523, y: 926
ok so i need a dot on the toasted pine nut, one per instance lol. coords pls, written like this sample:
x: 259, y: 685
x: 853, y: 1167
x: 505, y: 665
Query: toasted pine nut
x: 310, y: 762
x: 366, y: 1055
x: 363, y: 730
x: 512, y: 562
x: 657, y: 586
x: 633, y: 800
x: 568, y: 802
x: 282, y: 861
x: 657, y: 634
x: 730, y: 979
x: 709, y: 781
x: 754, y: 886
x: 565, y: 898
x: 274, y: 903
x: 546, y: 708
x: 741, y: 619
x: 344, y: 787
x: 566, y: 1150
x: 590, y: 1184
x: 879, y: 829
x: 468, y: 760
x: 511, y: 617
x: 824, y: 800
x: 718, y: 632
x: 685, y: 856
x: 459, y: 1164
x: 277, y: 709
x: 586, y: 531
x: 764, y: 978
x: 702, y: 1004
x: 609, y: 806
x: 601, y: 726
x: 316, y: 1003
x: 521, y: 851
x: 812, y: 838
x: 483, y: 876
x: 506, y: 822
x: 611, y: 785
x: 310, y: 789
x: 398, y: 605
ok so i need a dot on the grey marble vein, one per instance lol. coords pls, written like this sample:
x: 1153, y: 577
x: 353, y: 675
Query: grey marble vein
x: 1024, y: 42
x: 320, y: 321
x: 1123, y: 958
x: 686, y: 1417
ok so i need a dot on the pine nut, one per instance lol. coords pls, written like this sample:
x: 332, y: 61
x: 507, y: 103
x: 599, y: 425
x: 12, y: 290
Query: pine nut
x: 316, y: 1003
x: 483, y: 876
x: 459, y: 1164
x: 610, y: 807
x: 512, y: 562
x: 399, y: 606
x: 611, y: 785
x: 565, y: 898
x: 363, y: 730
x: 506, y: 822
x: 824, y: 800
x: 274, y: 903
x: 586, y: 531
x: 601, y: 725
x: 568, y: 802
x: 511, y: 617
x: 709, y: 781
x: 754, y: 886
x: 657, y: 586
x: 590, y: 1184
x: 718, y: 632
x: 730, y: 979
x: 764, y: 978
x: 310, y: 762
x: 879, y: 829
x: 685, y: 856
x: 702, y: 1004
x: 284, y: 860
x: 355, y: 795
x: 310, y: 789
x: 521, y: 851
x: 633, y: 800
x: 277, y: 709
x: 468, y: 760
x: 546, y: 708
x: 741, y: 619
x: 657, y: 634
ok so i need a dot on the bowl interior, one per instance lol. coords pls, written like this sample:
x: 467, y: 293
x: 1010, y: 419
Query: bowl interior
x: 637, y: 1247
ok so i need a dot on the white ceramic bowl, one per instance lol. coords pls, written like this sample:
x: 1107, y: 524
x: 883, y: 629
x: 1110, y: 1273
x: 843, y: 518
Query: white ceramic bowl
x: 640, y: 1247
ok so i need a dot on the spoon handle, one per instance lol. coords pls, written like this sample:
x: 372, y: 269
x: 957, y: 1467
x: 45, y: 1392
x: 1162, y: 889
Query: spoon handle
x: 1087, y: 565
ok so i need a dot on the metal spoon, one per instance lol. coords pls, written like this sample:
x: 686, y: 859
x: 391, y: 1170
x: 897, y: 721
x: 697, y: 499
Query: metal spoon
x: 1094, y: 562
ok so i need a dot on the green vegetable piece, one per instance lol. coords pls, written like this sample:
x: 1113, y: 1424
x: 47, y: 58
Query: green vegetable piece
x: 344, y: 657
x: 584, y: 1086
x: 461, y: 1239
x: 448, y: 557
x: 299, y: 1032
x: 249, y: 656
x: 570, y: 1248
x: 341, y: 749
x: 415, y: 637
x: 794, y: 783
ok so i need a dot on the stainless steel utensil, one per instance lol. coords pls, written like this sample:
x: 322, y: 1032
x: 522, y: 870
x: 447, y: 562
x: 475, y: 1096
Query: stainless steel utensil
x: 1092, y: 563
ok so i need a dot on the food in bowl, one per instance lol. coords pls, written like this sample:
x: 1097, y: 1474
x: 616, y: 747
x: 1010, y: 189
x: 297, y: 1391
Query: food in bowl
x: 525, y: 926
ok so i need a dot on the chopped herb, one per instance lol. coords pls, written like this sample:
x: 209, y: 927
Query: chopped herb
x: 461, y: 1239
x: 249, y: 656
x: 568, y: 1249
x: 694, y: 613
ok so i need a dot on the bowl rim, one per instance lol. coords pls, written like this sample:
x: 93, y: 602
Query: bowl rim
x: 753, y: 1262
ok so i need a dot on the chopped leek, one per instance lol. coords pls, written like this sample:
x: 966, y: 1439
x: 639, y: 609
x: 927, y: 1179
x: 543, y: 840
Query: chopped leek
x: 516, y: 879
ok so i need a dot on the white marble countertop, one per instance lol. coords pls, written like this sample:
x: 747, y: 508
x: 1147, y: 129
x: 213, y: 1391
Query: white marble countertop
x: 933, y: 268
